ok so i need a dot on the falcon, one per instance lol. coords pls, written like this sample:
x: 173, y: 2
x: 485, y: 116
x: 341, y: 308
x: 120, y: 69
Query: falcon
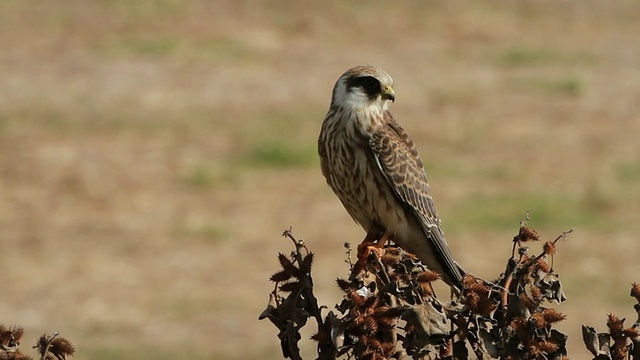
x: 373, y: 167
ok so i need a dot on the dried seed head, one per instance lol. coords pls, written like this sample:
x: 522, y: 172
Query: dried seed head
x: 547, y: 346
x: 473, y: 284
x: 543, y: 265
x: 486, y: 306
x: 469, y: 279
x: 472, y: 300
x: 428, y: 276
x: 391, y: 312
x: 373, y: 343
x: 354, y: 298
x: 358, y: 319
x: 526, y: 234
x: 426, y: 288
x: 549, y: 248
x: 390, y: 259
x: 476, y: 293
x: 61, y: 348
x: 615, y: 324
x: 536, y: 294
x: 534, y: 350
x: 518, y: 325
x: 538, y: 320
x: 386, y: 323
x: 553, y: 316
x: 528, y: 302
x: 635, y: 291
x: 388, y: 348
x: 370, y: 324
x: 371, y: 302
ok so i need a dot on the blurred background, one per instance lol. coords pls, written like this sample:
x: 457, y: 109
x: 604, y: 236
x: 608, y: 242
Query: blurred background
x: 152, y: 152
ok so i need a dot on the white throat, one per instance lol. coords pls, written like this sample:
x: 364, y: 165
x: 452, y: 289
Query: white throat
x: 364, y: 114
x: 367, y: 118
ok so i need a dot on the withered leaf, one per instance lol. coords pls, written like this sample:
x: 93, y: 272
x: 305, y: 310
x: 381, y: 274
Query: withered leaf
x: 552, y: 288
x: 305, y: 265
x: 429, y: 319
x: 488, y: 344
x: 343, y: 284
x: 288, y: 265
x: 291, y: 286
x: 597, y: 344
x: 280, y: 276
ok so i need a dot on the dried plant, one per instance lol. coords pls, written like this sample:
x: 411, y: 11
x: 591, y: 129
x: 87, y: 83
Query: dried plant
x: 619, y: 342
x: 292, y: 302
x: 50, y: 347
x: 390, y: 308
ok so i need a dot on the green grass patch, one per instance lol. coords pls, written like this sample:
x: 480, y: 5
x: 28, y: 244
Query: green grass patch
x: 524, y: 56
x: 154, y: 45
x: 572, y: 85
x: 627, y: 185
x: 176, y: 45
x: 141, y: 13
x: 210, y: 232
x: 628, y: 172
x: 502, y: 212
x: 225, y: 48
x: 441, y: 171
x: 202, y: 176
x: 454, y: 97
x: 280, y: 154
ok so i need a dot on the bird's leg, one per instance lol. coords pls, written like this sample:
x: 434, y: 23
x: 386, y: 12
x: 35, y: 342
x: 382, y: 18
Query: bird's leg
x: 367, y: 245
x: 375, y: 232
x: 382, y: 241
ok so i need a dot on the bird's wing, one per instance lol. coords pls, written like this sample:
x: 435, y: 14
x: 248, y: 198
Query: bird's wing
x: 322, y: 153
x: 401, y: 165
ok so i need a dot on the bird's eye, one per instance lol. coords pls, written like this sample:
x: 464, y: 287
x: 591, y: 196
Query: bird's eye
x: 370, y: 83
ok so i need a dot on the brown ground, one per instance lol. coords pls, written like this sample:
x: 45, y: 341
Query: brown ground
x: 151, y: 153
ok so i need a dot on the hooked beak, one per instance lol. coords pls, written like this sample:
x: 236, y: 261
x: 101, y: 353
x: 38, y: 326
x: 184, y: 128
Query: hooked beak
x: 387, y: 93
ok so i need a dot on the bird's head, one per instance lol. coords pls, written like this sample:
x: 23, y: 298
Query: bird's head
x: 363, y: 87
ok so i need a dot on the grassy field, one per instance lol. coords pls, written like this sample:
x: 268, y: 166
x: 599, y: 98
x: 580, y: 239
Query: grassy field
x: 152, y: 152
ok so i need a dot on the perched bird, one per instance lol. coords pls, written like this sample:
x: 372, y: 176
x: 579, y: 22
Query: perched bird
x: 373, y: 167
